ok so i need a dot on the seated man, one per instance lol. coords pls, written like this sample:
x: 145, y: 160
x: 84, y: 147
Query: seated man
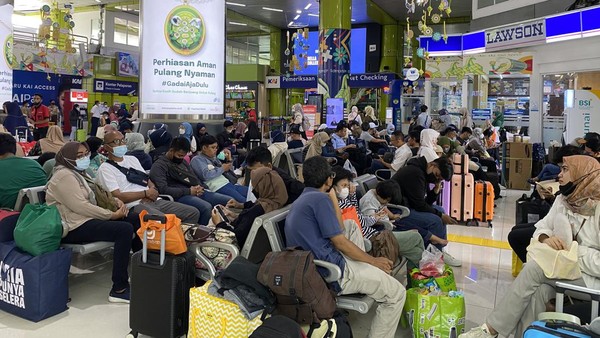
x: 226, y: 138
x: 464, y: 136
x: 312, y: 224
x: 402, y: 154
x: 346, y: 150
x: 260, y: 157
x: 173, y: 176
x: 17, y: 172
x: 368, y: 131
x: 137, y: 197
x: 296, y: 141
x: 414, y: 180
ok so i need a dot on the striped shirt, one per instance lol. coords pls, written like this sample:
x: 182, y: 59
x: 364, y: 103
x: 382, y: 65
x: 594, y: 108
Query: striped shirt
x: 366, y: 222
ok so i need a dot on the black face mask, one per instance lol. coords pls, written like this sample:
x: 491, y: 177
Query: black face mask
x: 431, y: 178
x: 177, y: 160
x: 567, y: 189
x: 255, y: 193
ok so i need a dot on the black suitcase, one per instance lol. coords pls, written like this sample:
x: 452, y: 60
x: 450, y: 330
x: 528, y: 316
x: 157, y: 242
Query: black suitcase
x: 160, y: 291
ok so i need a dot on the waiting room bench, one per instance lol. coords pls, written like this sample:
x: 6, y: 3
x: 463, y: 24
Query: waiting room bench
x: 37, y: 195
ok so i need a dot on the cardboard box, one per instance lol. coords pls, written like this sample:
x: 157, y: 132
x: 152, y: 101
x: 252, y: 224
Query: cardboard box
x: 518, y: 150
x: 519, y: 171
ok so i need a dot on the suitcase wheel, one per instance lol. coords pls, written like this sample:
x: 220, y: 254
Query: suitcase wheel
x: 132, y: 334
x: 489, y: 224
x: 472, y: 223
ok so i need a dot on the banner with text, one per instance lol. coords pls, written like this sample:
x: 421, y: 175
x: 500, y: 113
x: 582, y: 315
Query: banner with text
x: 377, y: 80
x: 6, y: 74
x: 183, y: 57
x: 25, y: 84
x: 115, y: 87
x: 480, y: 64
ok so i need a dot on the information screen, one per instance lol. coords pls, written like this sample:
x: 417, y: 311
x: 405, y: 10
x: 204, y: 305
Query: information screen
x: 183, y: 57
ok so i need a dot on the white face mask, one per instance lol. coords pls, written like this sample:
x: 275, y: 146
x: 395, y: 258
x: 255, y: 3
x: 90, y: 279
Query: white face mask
x: 343, y: 194
x: 181, y: 131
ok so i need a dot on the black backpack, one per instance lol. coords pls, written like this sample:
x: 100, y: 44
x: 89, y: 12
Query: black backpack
x: 278, y: 327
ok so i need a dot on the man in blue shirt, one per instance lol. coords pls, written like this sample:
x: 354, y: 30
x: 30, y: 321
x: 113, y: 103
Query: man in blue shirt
x: 314, y: 223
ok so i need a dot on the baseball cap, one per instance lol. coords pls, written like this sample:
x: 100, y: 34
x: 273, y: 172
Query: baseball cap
x: 295, y: 129
x: 322, y: 127
x: 372, y: 125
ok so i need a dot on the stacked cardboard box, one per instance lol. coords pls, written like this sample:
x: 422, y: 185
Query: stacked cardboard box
x: 518, y: 162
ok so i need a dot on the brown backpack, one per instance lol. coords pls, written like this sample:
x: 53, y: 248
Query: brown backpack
x: 385, y: 244
x: 301, y: 292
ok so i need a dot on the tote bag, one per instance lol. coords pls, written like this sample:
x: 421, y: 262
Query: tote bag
x: 557, y: 264
x: 174, y: 238
x: 39, y: 229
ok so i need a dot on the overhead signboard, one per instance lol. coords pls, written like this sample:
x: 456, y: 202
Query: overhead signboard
x: 115, y: 87
x: 516, y: 36
x: 183, y: 57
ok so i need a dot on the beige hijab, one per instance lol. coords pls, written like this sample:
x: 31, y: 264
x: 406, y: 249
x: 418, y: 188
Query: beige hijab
x: 271, y: 190
x: 54, y: 140
x: 585, y: 173
x: 316, y: 144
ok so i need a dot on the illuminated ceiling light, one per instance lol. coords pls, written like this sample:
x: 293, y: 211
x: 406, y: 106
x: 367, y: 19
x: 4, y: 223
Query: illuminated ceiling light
x: 291, y: 23
x: 307, y: 6
x: 296, y: 17
x: 273, y: 9
x: 235, y: 4
x: 353, y: 20
x: 237, y: 23
x: 315, y: 15
x: 298, y: 12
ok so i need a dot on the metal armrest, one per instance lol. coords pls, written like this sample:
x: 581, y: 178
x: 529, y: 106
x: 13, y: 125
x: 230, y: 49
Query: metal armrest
x: 335, y: 273
x: 167, y: 197
x: 560, y: 294
x: 219, y: 245
x: 405, y: 210
x: 380, y: 174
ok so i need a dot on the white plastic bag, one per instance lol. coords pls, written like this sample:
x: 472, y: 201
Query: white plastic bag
x: 432, y: 262
x: 348, y: 166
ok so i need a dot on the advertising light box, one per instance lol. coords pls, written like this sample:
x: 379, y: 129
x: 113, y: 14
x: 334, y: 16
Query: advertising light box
x: 183, y: 57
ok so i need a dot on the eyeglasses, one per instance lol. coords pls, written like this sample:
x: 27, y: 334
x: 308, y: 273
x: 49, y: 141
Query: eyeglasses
x: 118, y: 141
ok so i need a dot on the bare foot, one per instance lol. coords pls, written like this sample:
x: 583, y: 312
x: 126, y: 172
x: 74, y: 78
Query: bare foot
x: 436, y: 240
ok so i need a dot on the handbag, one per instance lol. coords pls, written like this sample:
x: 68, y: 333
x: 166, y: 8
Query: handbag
x: 556, y: 264
x: 350, y: 213
x: 213, y: 317
x: 102, y: 198
x: 133, y: 175
x: 153, y: 224
x: 34, y: 287
x: 39, y: 229
x: 385, y: 244
x: 184, y: 177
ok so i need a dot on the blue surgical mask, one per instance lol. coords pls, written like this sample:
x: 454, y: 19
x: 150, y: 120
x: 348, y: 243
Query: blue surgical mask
x: 82, y: 164
x: 120, y: 151
x: 221, y: 156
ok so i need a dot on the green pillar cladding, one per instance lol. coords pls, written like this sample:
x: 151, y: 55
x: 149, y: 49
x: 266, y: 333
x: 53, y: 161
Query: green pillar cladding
x: 276, y: 96
x: 335, y: 14
x: 392, y: 56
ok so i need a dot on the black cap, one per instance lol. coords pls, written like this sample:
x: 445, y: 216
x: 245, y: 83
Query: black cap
x: 295, y: 129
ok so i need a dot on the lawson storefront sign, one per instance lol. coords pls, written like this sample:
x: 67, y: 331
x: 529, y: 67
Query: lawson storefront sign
x: 375, y: 80
x: 516, y: 36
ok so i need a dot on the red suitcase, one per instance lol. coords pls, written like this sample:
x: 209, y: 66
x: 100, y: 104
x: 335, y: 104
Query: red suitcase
x: 462, y: 197
x: 484, y: 203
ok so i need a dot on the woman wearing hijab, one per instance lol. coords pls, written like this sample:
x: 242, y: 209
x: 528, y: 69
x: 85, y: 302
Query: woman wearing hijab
x: 84, y: 221
x: 135, y: 148
x: 200, y: 132
x: 186, y: 130
x: 251, y: 135
x: 428, y: 145
x: 271, y: 195
x: 370, y: 115
x: 14, y: 117
x: 465, y: 118
x: 574, y: 216
x: 53, y: 141
x: 240, y: 130
x: 161, y: 140
x: 354, y: 115
x: 314, y: 147
x: 476, y: 146
x: 445, y: 118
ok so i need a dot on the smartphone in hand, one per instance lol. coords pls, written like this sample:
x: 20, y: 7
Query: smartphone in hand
x: 221, y: 210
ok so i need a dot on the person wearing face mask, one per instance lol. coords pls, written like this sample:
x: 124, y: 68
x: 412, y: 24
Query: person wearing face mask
x: 314, y: 147
x: 448, y: 141
x: 39, y: 117
x: 226, y: 139
x: 278, y: 145
x: 414, y: 180
x: 186, y: 130
x: 271, y: 194
x: 137, y: 195
x: 174, y: 177
x: 210, y: 169
x: 84, y: 221
x: 410, y: 242
x: 574, y: 216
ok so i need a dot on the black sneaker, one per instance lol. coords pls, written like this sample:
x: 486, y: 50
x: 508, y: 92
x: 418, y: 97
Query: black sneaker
x: 123, y: 297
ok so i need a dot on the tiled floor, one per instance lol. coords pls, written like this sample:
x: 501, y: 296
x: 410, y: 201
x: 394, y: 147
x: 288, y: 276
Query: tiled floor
x: 484, y: 277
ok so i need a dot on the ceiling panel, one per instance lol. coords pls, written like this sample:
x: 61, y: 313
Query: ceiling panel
x: 397, y: 8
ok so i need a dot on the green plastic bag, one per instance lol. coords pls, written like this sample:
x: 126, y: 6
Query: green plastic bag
x: 446, y: 282
x: 434, y: 316
x: 39, y: 229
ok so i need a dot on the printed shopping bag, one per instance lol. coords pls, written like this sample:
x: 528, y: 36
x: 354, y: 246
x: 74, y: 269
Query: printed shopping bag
x: 517, y: 265
x: 33, y: 287
x: 213, y: 317
x: 39, y: 229
x: 434, y: 316
x: 174, y: 241
x: 445, y: 282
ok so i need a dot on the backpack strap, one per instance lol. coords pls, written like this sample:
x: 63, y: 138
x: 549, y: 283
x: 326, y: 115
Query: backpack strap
x: 121, y: 169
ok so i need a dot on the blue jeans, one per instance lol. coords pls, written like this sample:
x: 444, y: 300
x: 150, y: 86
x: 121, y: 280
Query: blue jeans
x: 237, y: 192
x: 215, y: 198
x: 204, y: 208
x: 426, y: 223
x: 549, y: 172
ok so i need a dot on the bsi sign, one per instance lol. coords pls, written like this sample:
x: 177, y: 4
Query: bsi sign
x: 515, y: 36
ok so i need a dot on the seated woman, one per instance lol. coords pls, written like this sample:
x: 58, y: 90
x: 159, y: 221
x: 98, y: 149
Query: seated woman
x: 53, y: 141
x: 186, y: 130
x: 314, y: 147
x: 136, y: 148
x: 161, y: 140
x: 428, y: 145
x: 84, y: 221
x: 271, y: 195
x: 14, y: 117
x: 574, y: 216
x: 210, y: 170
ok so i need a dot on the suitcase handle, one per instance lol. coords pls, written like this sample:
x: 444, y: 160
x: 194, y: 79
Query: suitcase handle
x: 145, y: 246
x: 161, y: 218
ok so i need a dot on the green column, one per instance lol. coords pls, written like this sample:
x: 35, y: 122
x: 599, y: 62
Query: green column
x: 276, y: 96
x: 335, y: 14
x: 392, y: 57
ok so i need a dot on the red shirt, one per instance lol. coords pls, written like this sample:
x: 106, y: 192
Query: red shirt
x: 40, y: 113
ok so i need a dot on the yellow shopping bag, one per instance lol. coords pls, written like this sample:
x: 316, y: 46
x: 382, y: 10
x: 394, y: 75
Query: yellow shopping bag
x: 213, y: 317
x: 517, y: 265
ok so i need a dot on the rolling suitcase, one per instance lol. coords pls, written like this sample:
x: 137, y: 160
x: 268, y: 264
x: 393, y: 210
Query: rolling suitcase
x: 160, y: 287
x: 461, y: 164
x: 462, y: 196
x: 484, y: 202
x: 543, y: 329
x: 444, y: 197
x: 80, y: 134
